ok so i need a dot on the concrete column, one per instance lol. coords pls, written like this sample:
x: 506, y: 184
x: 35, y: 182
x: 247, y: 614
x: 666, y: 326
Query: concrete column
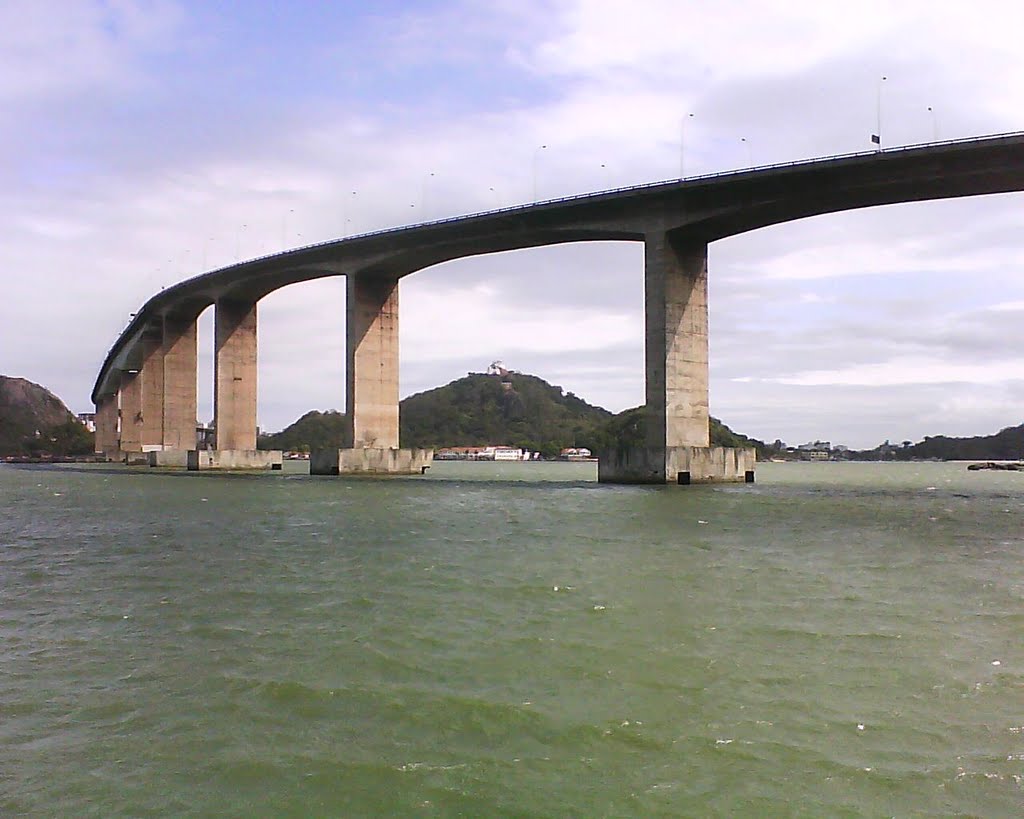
x: 131, y: 412
x: 179, y: 389
x: 234, y: 388
x: 106, y: 425
x: 676, y: 347
x: 372, y: 371
x: 142, y: 401
x: 152, y: 378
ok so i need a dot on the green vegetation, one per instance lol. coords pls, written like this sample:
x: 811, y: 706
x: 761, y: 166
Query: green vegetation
x: 514, y: 409
x: 1007, y: 444
x: 35, y: 422
x: 627, y: 430
x: 67, y: 438
x: 314, y: 430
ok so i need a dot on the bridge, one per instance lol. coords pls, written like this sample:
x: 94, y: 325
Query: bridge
x: 145, y: 393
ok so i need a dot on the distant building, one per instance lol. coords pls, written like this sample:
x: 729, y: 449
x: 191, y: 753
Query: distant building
x: 483, y: 453
x: 88, y: 420
x: 457, y: 453
x: 576, y: 453
x: 815, y: 451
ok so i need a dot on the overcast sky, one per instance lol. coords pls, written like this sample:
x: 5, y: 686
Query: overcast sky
x: 146, y: 142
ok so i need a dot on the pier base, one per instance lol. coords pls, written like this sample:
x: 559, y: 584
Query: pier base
x: 169, y: 458
x: 370, y: 461
x: 678, y: 464
x: 203, y: 459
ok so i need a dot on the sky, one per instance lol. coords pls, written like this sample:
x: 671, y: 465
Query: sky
x: 147, y: 142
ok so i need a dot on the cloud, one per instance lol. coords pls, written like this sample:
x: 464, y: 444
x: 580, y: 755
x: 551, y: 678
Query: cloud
x: 52, y: 50
x: 907, y: 371
x: 147, y: 155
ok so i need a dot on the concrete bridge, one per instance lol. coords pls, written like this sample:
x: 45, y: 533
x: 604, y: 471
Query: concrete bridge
x: 145, y: 393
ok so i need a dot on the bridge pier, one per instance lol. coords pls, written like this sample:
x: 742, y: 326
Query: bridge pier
x: 372, y: 365
x: 234, y: 389
x: 179, y: 350
x: 676, y: 418
x: 106, y: 426
x: 142, y: 396
x: 371, y: 411
x: 676, y: 341
x: 158, y: 399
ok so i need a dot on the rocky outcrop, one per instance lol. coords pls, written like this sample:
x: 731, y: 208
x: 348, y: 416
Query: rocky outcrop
x: 25, y: 408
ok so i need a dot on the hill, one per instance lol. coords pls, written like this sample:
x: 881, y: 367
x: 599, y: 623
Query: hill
x: 516, y: 409
x: 627, y: 430
x: 1007, y: 444
x: 314, y: 430
x: 33, y: 420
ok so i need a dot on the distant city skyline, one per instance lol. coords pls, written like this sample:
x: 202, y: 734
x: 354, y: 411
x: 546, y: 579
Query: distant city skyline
x: 151, y: 141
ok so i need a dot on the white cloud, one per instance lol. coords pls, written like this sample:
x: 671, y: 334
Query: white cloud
x: 109, y: 202
x: 443, y: 322
x: 1008, y: 307
x: 53, y: 48
x: 903, y: 371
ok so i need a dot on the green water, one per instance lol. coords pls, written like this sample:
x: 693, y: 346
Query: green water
x: 836, y: 640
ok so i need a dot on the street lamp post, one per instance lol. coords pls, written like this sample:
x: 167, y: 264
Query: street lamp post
x: 206, y: 245
x: 536, y: 155
x: 345, y: 219
x: 423, y: 203
x: 284, y: 228
x: 935, y: 124
x: 682, y: 145
x: 878, y: 113
x: 750, y: 156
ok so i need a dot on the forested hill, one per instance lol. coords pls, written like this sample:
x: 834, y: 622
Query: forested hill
x: 33, y: 420
x: 514, y: 408
x: 314, y: 430
x: 1007, y: 444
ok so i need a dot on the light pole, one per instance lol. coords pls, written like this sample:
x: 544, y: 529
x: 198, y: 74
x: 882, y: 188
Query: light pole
x: 750, y: 156
x: 344, y: 219
x: 284, y: 228
x: 423, y: 201
x: 536, y: 155
x: 878, y: 114
x: 682, y: 145
x: 206, y: 245
x: 935, y: 124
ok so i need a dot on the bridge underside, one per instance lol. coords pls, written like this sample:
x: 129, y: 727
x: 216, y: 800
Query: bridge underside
x: 145, y: 394
x: 157, y: 398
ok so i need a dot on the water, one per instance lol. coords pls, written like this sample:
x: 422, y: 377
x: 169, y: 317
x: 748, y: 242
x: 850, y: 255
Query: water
x: 836, y: 640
